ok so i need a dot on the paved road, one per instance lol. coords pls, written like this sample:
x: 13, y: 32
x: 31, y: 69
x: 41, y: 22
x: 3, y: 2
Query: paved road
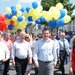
x: 57, y: 72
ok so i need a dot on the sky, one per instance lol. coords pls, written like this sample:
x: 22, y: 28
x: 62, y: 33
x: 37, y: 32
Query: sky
x: 25, y: 3
x: 8, y: 3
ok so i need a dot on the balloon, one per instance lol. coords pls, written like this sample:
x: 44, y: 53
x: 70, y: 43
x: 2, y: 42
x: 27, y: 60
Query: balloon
x: 30, y: 18
x: 12, y: 22
x: 13, y: 31
x: 38, y: 21
x: 14, y: 18
x: 63, y: 12
x: 19, y: 13
x: 9, y: 16
x: 59, y: 6
x: 52, y: 23
x: 8, y: 10
x: 42, y: 19
x: 2, y: 17
x: 10, y: 27
x: 22, y: 24
x: 55, y: 12
x: 16, y: 23
x: 34, y: 5
x: 20, y: 18
x: 27, y: 9
x: 39, y: 8
x: 60, y: 22
x: 7, y: 21
x: 12, y: 7
x: 67, y: 19
x: 14, y: 11
x: 26, y: 14
x: 18, y: 7
x: 22, y: 9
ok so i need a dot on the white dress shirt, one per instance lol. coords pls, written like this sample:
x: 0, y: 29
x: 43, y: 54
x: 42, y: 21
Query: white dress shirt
x: 45, y: 51
x: 21, y: 49
x: 4, y: 51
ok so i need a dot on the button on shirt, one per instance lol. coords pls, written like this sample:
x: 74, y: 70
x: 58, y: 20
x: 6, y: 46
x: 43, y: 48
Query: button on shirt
x: 21, y: 50
x: 45, y: 51
x: 4, y: 52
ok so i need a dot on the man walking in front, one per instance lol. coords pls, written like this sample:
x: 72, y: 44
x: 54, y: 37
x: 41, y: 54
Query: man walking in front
x: 45, y: 56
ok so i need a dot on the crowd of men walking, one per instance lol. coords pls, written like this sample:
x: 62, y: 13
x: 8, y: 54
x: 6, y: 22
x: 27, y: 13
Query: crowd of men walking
x: 43, y: 52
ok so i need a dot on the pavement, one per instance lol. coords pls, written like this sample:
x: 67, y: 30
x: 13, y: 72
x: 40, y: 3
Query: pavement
x: 57, y: 72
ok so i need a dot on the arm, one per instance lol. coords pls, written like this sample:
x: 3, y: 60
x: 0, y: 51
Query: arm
x: 35, y: 54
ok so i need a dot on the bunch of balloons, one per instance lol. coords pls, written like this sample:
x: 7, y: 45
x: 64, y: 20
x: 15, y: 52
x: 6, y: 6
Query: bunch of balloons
x: 3, y: 25
x: 15, y: 17
x: 56, y: 16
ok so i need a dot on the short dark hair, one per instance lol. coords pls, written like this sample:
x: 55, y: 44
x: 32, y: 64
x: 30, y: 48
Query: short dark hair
x: 45, y: 29
x: 19, y: 30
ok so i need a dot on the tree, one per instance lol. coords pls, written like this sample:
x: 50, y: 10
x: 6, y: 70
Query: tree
x: 66, y: 3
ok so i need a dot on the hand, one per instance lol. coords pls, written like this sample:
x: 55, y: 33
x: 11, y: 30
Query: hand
x: 30, y: 61
x: 13, y: 62
x: 37, y: 65
x: 4, y: 60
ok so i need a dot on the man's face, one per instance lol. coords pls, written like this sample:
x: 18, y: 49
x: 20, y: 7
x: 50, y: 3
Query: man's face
x: 46, y: 34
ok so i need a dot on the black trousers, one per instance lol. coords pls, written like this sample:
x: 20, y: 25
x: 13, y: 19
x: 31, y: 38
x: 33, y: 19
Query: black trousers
x: 20, y: 65
x: 62, y: 60
x: 1, y: 68
x: 6, y: 67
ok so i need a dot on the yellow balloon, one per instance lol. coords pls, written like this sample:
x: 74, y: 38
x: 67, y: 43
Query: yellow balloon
x: 31, y: 12
x: 26, y: 14
x: 14, y: 18
x: 59, y: 6
x: 8, y: 10
x: 22, y: 25
x: 48, y: 17
x: 55, y: 12
x: 19, y: 13
x: 13, y: 31
x: 39, y: 8
x: 16, y: 23
x: 18, y: 7
x: 67, y: 19
x: 7, y: 21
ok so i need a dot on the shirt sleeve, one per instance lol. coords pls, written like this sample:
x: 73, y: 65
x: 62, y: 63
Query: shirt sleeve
x: 35, y: 53
x: 13, y: 51
x: 7, y: 52
x: 29, y: 51
x: 54, y: 55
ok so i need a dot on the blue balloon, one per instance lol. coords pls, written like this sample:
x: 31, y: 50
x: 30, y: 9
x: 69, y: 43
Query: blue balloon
x: 52, y: 23
x: 20, y: 18
x: 34, y: 5
x: 9, y: 16
x: 60, y: 22
x: 38, y: 21
x: 13, y: 7
x: 22, y: 9
x: 30, y: 18
x: 27, y: 9
x: 42, y: 19
x: 10, y: 27
x: 14, y: 11
x: 62, y: 13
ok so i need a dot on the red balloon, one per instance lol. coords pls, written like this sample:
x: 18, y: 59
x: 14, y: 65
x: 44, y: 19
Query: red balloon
x: 12, y: 22
x: 2, y: 17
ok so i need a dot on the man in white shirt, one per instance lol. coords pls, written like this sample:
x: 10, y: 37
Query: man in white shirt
x: 45, y: 55
x: 22, y: 54
x: 4, y: 54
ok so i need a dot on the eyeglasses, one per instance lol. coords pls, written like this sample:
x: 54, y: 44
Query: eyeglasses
x: 53, y: 35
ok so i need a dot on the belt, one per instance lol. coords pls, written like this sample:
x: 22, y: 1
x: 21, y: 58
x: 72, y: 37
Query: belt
x: 45, y: 61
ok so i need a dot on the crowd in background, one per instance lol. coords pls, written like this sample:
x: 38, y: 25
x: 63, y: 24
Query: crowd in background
x: 43, y: 52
